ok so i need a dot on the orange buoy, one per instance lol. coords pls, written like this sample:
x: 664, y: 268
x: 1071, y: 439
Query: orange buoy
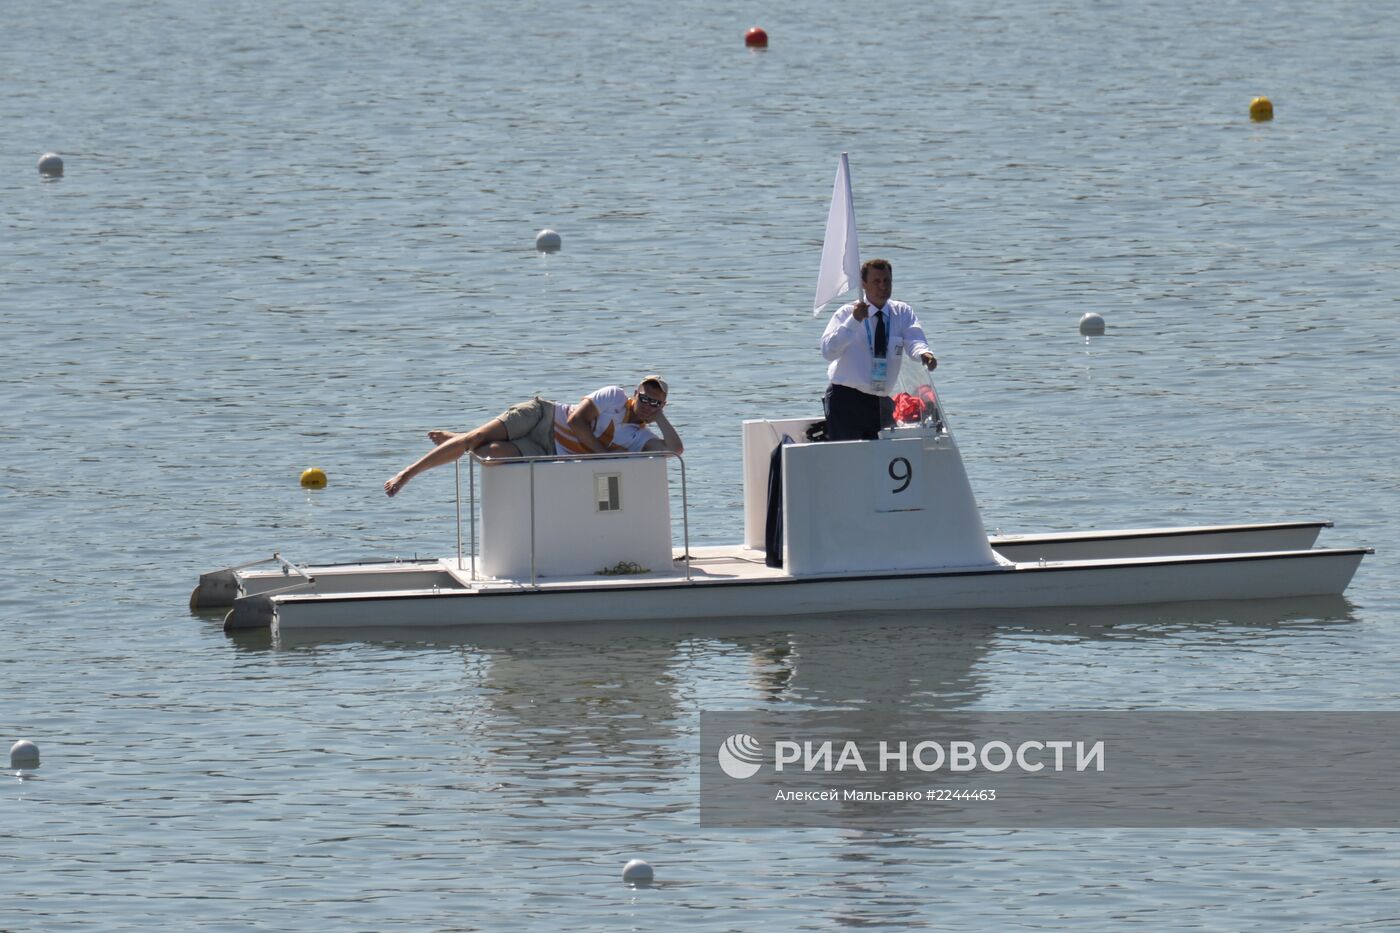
x: 756, y: 38
x: 1261, y: 109
x: 314, y: 478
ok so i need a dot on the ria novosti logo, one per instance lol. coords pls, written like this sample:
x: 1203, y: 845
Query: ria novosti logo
x: 740, y: 756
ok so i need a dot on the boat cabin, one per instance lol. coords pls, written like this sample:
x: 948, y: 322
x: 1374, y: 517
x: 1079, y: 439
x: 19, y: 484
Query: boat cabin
x: 902, y: 502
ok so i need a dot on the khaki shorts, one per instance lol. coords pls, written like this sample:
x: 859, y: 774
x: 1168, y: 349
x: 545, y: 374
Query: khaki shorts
x: 530, y: 426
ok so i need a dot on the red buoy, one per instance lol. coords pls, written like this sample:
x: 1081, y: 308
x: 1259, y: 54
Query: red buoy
x: 756, y: 38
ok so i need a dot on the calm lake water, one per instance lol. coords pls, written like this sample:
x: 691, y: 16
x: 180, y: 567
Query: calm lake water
x: 296, y: 235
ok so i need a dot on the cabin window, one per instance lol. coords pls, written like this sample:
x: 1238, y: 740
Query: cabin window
x: 608, y: 491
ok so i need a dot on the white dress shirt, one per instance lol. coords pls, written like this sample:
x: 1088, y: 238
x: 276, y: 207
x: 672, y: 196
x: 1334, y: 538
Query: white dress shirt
x: 846, y: 343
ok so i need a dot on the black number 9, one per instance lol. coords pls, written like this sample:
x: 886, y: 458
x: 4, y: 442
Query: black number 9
x: 901, y: 476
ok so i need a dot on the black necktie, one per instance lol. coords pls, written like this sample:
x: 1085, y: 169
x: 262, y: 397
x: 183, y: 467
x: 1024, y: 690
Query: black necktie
x: 881, y: 341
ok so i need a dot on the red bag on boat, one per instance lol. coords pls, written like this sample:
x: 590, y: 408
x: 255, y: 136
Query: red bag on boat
x: 907, y: 409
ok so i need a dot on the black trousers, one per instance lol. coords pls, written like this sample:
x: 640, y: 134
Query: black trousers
x: 852, y: 415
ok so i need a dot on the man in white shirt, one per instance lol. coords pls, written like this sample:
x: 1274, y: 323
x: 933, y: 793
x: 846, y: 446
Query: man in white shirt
x: 864, y: 342
x: 603, y: 421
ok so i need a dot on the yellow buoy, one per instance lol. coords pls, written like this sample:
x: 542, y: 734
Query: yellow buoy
x: 314, y: 478
x: 1260, y: 109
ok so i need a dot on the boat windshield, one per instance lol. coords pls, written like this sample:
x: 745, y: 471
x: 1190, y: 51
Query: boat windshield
x: 916, y: 403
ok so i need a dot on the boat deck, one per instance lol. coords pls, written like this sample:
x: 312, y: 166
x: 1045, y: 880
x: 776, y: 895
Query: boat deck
x: 707, y: 565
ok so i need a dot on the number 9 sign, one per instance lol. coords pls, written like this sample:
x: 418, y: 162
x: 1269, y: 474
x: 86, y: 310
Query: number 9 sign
x: 899, y: 481
x: 901, y: 472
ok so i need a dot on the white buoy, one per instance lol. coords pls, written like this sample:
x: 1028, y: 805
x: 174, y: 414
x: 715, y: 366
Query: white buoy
x: 50, y: 164
x: 637, y: 872
x: 1091, y: 325
x: 25, y: 754
x: 547, y: 241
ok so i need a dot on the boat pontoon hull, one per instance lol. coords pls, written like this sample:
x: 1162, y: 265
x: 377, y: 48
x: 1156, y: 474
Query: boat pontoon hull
x: 730, y: 582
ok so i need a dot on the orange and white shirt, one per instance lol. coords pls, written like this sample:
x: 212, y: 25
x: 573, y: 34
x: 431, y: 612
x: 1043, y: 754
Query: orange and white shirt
x: 611, y: 429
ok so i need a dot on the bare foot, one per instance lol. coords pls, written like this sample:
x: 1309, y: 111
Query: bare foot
x: 440, y: 437
x: 394, y: 484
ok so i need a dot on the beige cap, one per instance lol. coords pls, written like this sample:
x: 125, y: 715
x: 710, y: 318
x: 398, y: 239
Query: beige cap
x: 658, y: 380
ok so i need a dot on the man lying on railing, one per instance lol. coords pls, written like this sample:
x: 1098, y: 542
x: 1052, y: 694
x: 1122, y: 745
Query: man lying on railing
x: 603, y: 421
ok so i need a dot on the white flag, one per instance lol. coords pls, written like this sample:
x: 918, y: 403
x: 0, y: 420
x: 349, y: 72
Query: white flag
x: 840, y: 270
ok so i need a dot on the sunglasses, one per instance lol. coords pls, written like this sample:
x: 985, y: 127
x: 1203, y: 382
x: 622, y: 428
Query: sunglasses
x: 658, y: 402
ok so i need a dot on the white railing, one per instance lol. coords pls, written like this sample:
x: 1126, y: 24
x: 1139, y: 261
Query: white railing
x: 487, y: 462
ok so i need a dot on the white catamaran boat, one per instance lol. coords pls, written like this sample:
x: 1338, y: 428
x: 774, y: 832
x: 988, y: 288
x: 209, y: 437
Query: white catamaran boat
x: 589, y: 538
x: 829, y: 527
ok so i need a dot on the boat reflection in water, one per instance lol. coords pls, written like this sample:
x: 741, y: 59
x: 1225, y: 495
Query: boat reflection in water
x: 545, y: 711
